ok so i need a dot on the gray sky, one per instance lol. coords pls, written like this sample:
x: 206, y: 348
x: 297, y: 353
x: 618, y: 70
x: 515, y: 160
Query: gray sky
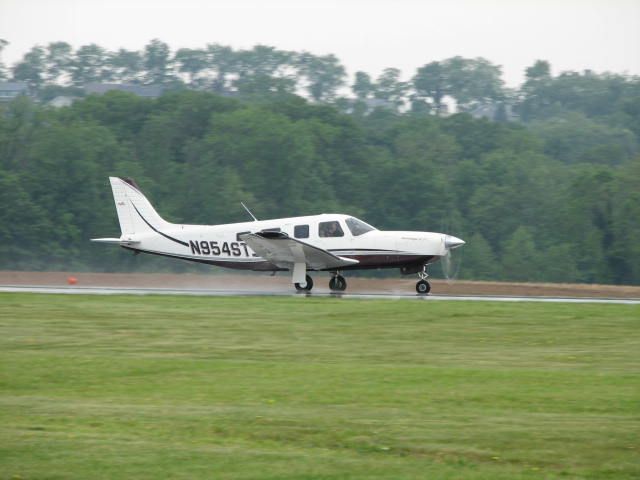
x: 603, y: 35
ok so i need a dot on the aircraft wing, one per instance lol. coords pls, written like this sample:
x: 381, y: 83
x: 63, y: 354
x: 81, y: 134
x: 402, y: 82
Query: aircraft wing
x: 280, y: 248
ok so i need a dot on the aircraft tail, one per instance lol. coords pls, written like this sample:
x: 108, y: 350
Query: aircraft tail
x: 135, y: 213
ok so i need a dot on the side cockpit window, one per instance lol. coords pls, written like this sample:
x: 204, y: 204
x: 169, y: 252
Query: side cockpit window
x: 330, y: 229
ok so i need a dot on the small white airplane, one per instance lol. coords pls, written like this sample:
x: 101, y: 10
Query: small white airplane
x: 327, y: 242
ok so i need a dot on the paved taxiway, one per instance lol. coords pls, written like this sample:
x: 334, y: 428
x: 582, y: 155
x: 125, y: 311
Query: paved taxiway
x: 253, y: 293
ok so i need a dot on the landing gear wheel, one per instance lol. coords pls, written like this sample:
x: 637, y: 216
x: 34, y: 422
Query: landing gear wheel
x: 338, y: 283
x: 423, y: 287
x: 305, y: 287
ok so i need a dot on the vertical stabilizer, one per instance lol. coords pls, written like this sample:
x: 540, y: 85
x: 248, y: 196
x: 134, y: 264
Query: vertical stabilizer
x: 135, y: 212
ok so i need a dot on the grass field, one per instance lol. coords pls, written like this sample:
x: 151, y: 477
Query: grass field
x: 288, y: 388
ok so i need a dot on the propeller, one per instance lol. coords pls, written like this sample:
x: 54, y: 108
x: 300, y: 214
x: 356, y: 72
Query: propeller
x: 450, y: 263
x: 451, y: 221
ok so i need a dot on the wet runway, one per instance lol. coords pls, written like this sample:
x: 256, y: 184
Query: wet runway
x: 74, y: 290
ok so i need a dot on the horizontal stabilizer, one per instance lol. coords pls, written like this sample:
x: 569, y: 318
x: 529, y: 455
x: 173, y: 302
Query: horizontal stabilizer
x: 115, y: 241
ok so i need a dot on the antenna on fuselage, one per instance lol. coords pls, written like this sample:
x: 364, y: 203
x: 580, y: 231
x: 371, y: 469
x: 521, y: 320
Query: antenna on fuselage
x: 249, y: 212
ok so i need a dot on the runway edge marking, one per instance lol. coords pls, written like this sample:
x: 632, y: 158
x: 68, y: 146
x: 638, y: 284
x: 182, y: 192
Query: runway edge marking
x: 364, y: 296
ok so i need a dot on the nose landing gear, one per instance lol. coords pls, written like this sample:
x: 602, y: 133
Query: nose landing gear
x: 337, y: 282
x: 423, y: 286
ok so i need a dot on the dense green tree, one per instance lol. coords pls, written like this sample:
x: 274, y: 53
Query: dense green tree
x: 18, y: 121
x: 363, y: 86
x: 282, y: 151
x: 521, y: 260
x: 539, y: 71
x: 123, y: 113
x: 21, y: 226
x: 192, y: 62
x: 512, y: 190
x: 575, y: 138
x: 323, y: 74
x: 31, y: 69
x: 3, y: 69
x: 389, y: 88
x: 157, y: 62
x: 222, y: 60
x: 263, y: 71
x: 431, y: 86
x: 262, y: 60
x: 58, y: 60
x: 630, y: 107
x: 589, y: 222
x: 470, y: 81
x: 558, y: 263
x: 594, y: 95
x: 625, y: 225
x: 478, y: 259
x: 473, y: 82
x: 126, y: 66
x: 89, y: 65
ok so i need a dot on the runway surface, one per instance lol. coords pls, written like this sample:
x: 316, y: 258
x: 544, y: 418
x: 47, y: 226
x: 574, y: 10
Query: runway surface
x: 74, y: 290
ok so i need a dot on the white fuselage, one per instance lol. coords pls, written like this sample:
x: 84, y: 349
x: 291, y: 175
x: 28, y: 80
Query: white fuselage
x: 221, y: 244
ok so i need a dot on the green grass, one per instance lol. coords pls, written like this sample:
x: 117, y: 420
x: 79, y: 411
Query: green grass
x: 283, y: 388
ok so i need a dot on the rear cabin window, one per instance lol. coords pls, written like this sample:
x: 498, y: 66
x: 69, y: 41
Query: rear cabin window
x: 301, y: 231
x: 330, y: 229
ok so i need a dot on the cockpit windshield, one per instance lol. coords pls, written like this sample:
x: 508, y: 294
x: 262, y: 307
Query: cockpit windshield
x: 358, y: 227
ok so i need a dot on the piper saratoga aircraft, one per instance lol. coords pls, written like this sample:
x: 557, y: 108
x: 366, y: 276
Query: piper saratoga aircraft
x: 329, y: 242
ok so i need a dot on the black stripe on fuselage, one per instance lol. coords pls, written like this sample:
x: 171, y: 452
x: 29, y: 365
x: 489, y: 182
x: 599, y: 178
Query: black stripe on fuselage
x: 389, y: 260
x: 158, y: 231
x: 367, y: 262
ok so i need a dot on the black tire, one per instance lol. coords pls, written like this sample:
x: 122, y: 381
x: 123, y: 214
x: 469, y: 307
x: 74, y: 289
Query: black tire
x: 306, y: 287
x: 338, y: 283
x: 423, y: 287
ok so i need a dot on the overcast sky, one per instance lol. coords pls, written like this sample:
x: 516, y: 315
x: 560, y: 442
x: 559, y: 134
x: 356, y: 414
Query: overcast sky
x: 602, y: 35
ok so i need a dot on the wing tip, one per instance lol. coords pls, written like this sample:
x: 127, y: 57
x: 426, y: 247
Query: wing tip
x: 350, y: 261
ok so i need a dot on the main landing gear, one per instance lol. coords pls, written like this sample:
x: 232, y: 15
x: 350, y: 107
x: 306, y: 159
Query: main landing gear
x: 423, y: 287
x: 337, y: 283
x: 305, y: 287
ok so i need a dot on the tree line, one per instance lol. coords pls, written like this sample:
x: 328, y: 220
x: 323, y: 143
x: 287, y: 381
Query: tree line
x: 554, y: 196
x: 460, y: 84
